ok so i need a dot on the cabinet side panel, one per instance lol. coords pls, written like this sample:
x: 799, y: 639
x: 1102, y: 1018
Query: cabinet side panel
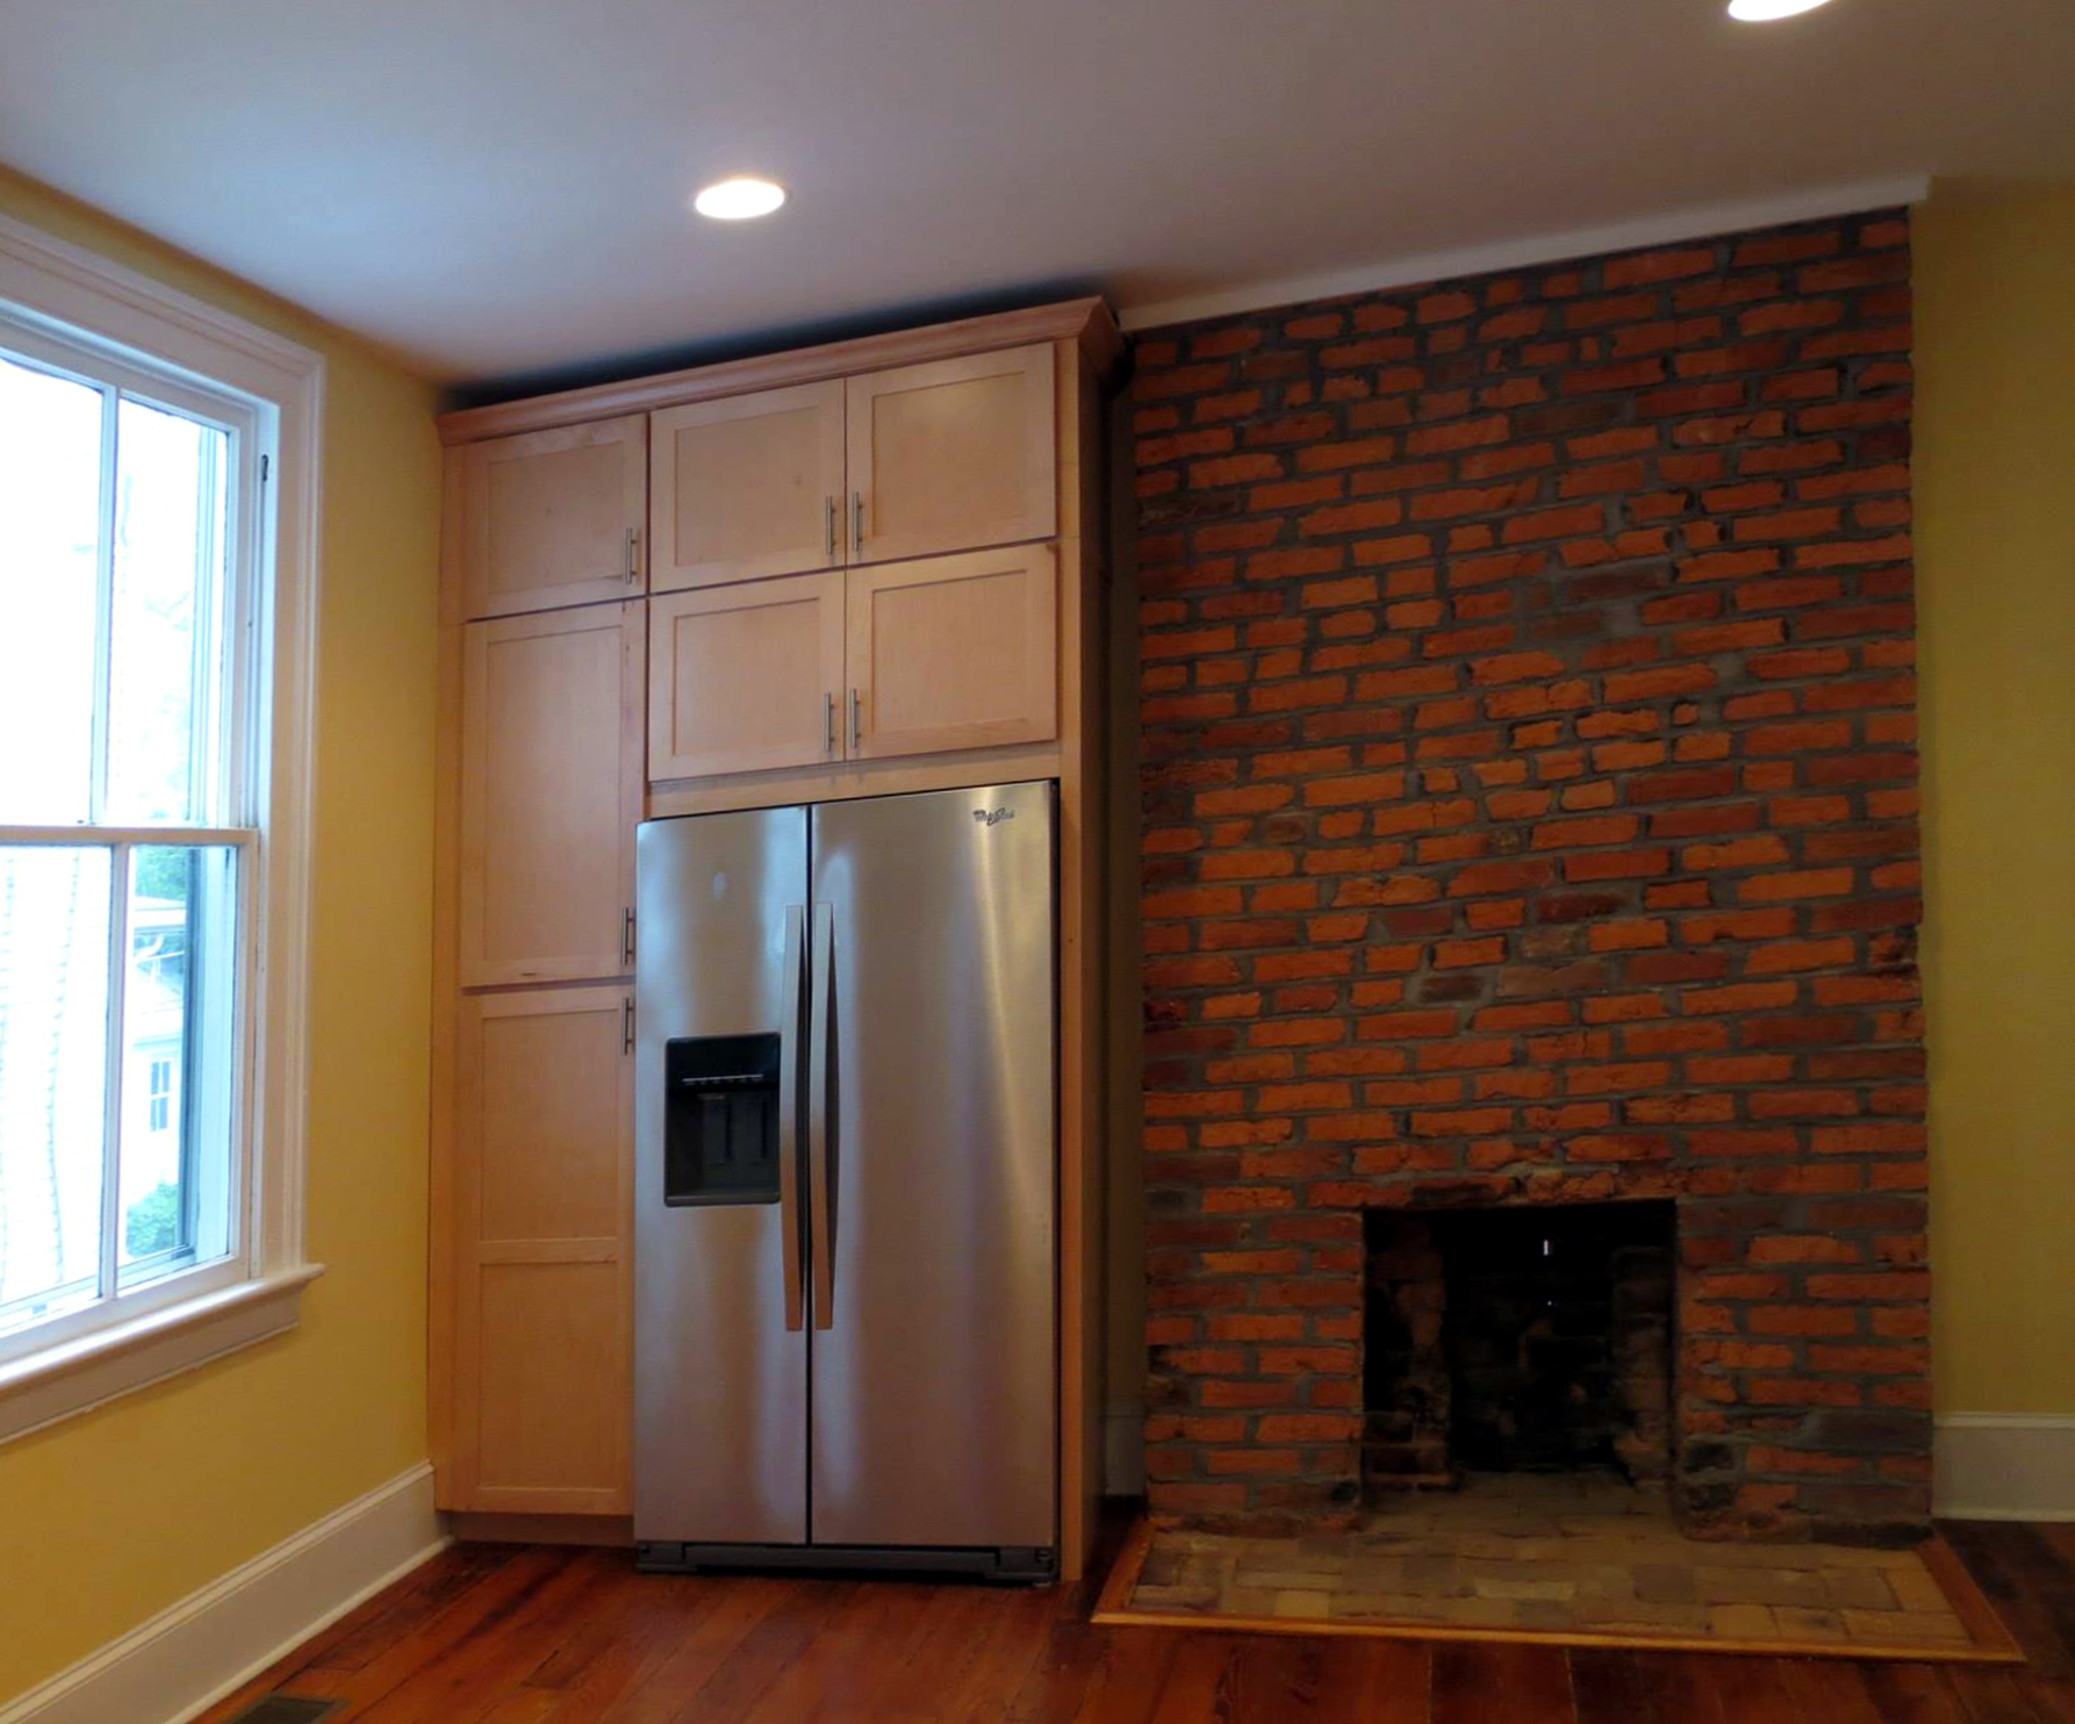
x: 1081, y: 963
x: 441, y: 1241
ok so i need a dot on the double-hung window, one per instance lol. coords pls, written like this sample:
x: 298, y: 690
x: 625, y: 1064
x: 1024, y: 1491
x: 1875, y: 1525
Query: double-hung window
x: 153, y: 720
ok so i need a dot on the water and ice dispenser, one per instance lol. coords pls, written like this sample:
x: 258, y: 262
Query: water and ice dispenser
x: 720, y: 1141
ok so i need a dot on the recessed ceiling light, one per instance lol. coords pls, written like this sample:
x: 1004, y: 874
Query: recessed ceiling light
x: 740, y: 198
x: 1765, y: 11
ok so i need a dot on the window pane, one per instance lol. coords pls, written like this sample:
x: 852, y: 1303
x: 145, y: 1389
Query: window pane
x: 178, y: 1021
x: 50, y: 486
x: 53, y: 1077
x: 166, y: 644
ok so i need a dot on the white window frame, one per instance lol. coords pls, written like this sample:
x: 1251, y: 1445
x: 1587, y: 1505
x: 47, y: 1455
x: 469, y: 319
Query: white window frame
x: 184, y: 1320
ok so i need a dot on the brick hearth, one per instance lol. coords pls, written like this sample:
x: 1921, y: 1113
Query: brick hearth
x: 1529, y: 817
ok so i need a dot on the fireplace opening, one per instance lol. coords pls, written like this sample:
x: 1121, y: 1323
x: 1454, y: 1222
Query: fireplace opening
x: 1529, y: 1339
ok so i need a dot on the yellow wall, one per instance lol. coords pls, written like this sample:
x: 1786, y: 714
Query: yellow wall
x: 120, y: 1512
x: 109, y: 1517
x: 1995, y: 485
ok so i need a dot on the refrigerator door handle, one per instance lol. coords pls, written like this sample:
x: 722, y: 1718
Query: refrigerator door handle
x: 820, y: 1194
x: 789, y: 1115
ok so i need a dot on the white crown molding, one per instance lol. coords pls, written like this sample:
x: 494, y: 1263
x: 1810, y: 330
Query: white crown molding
x: 2003, y: 1466
x: 1697, y: 221
x: 193, y: 1653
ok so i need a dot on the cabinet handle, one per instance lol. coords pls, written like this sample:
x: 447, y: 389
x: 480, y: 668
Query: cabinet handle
x: 828, y: 521
x: 627, y: 1024
x: 633, y: 555
x: 828, y: 722
x: 857, y: 720
x: 857, y: 520
x: 627, y: 935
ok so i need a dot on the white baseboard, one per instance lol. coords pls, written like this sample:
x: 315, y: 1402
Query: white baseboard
x: 2002, y: 1466
x: 193, y: 1653
x: 1123, y: 1454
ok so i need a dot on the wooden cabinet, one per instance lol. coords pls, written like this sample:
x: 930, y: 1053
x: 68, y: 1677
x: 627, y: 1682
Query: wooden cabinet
x: 746, y: 678
x: 542, y: 1395
x: 747, y: 486
x: 952, y: 455
x: 551, y: 786
x: 954, y: 652
x: 863, y: 569
x: 553, y: 518
x: 911, y: 658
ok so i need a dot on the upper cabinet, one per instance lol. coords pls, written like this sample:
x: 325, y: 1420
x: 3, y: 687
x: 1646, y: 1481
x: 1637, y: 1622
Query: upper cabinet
x: 953, y: 652
x: 952, y: 455
x: 746, y: 678
x: 747, y: 486
x: 554, y: 518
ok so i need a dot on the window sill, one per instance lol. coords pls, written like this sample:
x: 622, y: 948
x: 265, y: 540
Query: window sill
x: 44, y: 1387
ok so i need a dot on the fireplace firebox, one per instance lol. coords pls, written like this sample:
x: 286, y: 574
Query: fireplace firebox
x: 1517, y: 1340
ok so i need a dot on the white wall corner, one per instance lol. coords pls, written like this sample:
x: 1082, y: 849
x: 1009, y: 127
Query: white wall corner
x: 193, y: 1653
x: 1123, y: 1454
x: 2002, y: 1466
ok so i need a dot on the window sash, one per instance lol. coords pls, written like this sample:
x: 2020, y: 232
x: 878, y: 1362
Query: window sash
x: 230, y: 711
x: 122, y: 1290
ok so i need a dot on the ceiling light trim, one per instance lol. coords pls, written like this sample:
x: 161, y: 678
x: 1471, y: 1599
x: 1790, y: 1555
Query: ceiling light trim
x: 1697, y: 221
x: 1771, y: 11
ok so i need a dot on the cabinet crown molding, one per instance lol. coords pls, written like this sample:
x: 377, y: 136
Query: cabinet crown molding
x: 1085, y: 321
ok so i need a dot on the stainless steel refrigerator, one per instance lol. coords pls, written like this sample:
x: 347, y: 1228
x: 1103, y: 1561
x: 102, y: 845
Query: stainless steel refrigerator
x: 845, y: 1284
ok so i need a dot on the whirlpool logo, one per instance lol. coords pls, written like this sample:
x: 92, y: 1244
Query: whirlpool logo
x: 992, y: 816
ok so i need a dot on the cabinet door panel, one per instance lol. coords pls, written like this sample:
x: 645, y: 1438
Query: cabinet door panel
x: 550, y: 793
x: 554, y: 518
x: 543, y: 1395
x: 952, y: 455
x: 742, y: 679
x: 955, y: 652
x: 747, y: 487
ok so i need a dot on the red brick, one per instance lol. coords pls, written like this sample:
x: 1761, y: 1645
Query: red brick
x: 1448, y: 881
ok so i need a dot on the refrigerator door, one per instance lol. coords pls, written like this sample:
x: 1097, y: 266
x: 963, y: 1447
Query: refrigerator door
x: 720, y: 1414
x: 934, y: 1359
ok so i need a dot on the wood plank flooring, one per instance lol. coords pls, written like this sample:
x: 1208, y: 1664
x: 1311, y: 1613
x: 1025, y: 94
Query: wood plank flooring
x: 522, y: 1634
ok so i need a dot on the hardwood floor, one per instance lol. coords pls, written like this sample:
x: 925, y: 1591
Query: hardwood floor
x: 525, y: 1634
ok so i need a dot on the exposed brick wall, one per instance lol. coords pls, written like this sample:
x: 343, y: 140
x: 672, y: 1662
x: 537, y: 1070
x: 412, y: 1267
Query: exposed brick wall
x: 1529, y: 815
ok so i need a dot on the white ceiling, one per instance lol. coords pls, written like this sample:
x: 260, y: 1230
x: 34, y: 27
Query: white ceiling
x: 495, y: 186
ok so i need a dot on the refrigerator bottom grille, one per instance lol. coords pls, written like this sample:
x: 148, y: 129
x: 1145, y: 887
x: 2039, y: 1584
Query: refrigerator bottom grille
x: 1023, y: 1565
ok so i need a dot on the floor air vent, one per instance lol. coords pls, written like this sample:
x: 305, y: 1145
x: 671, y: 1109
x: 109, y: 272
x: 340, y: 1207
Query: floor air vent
x: 278, y: 1709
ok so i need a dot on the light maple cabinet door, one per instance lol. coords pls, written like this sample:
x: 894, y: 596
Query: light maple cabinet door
x: 952, y: 455
x: 542, y: 1389
x: 554, y: 518
x: 551, y: 791
x: 954, y: 652
x: 746, y: 678
x: 746, y: 487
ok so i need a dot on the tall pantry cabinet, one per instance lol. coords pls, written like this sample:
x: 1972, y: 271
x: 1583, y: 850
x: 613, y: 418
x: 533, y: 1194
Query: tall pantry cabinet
x: 854, y: 570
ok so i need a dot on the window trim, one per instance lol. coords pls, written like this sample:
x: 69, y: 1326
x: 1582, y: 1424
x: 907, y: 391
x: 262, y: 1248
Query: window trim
x: 85, y: 300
